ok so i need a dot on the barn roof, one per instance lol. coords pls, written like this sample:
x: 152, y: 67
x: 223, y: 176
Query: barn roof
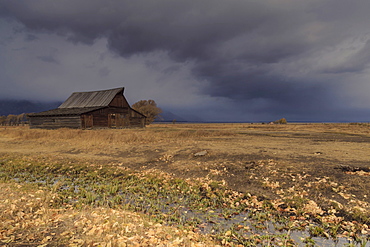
x: 65, y: 111
x: 91, y: 99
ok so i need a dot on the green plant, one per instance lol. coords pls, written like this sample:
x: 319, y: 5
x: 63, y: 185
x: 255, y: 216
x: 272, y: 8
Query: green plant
x: 317, y: 231
x: 309, y: 241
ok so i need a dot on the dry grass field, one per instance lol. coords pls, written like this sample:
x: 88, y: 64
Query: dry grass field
x: 318, y: 171
x: 232, y: 150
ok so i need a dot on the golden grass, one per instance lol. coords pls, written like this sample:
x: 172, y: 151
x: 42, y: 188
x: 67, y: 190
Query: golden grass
x: 174, y: 139
x: 169, y: 132
x: 101, y: 144
x: 108, y: 136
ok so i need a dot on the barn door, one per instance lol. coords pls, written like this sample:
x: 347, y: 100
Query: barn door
x: 120, y: 120
x: 87, y: 121
x: 112, y: 121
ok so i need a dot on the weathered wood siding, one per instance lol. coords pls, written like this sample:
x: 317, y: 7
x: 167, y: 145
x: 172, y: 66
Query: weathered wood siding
x: 111, y: 117
x: 87, y: 121
x: 136, y: 119
x: 115, y: 117
x: 119, y: 101
x: 101, y: 117
x: 55, y: 122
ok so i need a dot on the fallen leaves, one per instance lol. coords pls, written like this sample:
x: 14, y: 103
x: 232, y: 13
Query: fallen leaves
x: 272, y: 185
x: 312, y: 208
x: 344, y: 195
x: 359, y: 173
x: 31, y: 217
x: 89, y: 226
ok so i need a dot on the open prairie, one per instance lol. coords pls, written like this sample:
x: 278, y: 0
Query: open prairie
x: 233, y: 151
x: 314, y: 171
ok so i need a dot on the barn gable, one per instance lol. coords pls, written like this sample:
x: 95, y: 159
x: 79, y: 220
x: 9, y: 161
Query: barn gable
x: 95, y: 109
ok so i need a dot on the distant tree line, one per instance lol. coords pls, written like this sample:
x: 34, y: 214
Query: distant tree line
x: 13, y: 120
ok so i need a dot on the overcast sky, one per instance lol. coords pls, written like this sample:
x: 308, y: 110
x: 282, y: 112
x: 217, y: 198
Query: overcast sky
x: 222, y: 60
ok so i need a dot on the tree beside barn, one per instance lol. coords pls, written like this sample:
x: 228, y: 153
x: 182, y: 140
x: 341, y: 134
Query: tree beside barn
x: 149, y: 108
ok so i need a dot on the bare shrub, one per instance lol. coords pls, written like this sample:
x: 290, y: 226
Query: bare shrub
x: 281, y: 121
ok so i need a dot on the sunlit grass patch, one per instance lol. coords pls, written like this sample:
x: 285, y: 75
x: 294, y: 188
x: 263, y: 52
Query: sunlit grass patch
x: 109, y: 136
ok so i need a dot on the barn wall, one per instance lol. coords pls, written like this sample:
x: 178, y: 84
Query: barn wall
x: 55, y: 122
x: 136, y: 119
x: 113, y: 117
x: 119, y: 101
x: 110, y: 117
x: 100, y: 117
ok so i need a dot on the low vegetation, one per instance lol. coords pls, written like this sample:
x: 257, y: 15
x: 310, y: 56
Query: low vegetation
x: 281, y: 121
x: 185, y: 185
x: 13, y: 120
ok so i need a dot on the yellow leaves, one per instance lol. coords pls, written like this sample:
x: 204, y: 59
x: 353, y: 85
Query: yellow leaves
x: 166, y: 158
x: 333, y: 184
x: 8, y: 239
x: 105, y: 227
x: 365, y: 229
x: 359, y: 173
x: 115, y: 225
x: 335, y: 189
x: 20, y: 214
x: 312, y: 208
x: 345, y: 195
x: 291, y: 189
x: 92, y: 231
x: 272, y: 185
x: 151, y: 232
x: 336, y: 204
x: 168, y: 237
x: 216, y: 172
x: 76, y: 242
x: 127, y: 229
x: 331, y: 219
x: 46, y: 239
x: 179, y: 241
x: 66, y: 233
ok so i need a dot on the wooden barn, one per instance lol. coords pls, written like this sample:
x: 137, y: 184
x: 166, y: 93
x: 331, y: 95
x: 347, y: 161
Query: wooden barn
x: 96, y: 109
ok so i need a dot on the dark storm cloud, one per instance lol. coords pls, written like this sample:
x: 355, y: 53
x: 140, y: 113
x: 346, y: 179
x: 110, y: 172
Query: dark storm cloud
x: 48, y: 59
x: 261, y: 92
x: 355, y: 63
x: 186, y: 29
x: 31, y: 37
x: 246, y: 50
